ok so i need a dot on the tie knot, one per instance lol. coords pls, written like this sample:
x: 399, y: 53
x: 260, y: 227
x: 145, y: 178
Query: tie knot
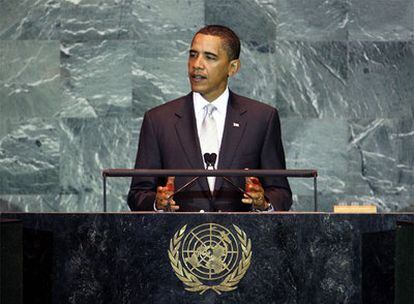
x: 209, y: 109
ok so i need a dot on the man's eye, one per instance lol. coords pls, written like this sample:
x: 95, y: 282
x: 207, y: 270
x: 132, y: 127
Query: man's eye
x: 210, y: 57
x: 192, y: 54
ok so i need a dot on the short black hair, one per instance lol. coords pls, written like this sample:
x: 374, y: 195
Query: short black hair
x: 231, y: 41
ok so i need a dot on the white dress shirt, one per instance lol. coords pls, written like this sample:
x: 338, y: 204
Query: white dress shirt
x: 219, y: 116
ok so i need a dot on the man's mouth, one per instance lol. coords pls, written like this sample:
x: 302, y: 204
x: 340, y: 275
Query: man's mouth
x: 198, y: 77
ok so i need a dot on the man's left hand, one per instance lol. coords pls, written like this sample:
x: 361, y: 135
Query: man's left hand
x: 256, y: 194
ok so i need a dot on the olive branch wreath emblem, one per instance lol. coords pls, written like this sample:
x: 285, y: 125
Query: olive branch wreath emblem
x: 193, y: 284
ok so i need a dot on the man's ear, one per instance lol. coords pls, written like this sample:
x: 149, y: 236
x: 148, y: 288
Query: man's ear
x: 234, y: 67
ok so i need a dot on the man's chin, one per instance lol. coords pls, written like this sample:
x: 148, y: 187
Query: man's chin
x: 197, y: 89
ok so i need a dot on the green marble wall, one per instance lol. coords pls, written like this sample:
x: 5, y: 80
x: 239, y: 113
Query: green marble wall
x: 76, y: 77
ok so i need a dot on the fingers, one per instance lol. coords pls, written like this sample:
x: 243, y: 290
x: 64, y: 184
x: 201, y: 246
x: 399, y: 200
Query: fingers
x: 163, y: 198
x: 257, y: 200
x: 253, y: 180
x: 251, y: 197
x: 170, y: 183
x: 253, y: 188
x: 253, y: 185
x: 255, y: 193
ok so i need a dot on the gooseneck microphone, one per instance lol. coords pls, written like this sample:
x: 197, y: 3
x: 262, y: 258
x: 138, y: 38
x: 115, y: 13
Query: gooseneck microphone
x: 184, y: 187
x: 210, y: 160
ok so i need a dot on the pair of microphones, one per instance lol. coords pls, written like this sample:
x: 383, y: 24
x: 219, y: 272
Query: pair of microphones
x: 210, y: 161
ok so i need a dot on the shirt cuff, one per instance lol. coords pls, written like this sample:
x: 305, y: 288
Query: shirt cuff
x: 155, y: 207
x: 269, y: 209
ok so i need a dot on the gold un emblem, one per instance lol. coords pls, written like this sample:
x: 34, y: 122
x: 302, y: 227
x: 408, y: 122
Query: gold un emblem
x: 210, y: 256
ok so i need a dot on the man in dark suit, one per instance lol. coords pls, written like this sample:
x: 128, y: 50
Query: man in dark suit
x: 211, y: 119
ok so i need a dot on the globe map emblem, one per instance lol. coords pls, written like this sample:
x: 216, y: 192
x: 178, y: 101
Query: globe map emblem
x: 210, y: 251
x: 210, y: 257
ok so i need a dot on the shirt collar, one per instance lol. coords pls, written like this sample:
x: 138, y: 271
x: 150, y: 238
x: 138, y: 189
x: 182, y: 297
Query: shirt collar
x: 220, y: 102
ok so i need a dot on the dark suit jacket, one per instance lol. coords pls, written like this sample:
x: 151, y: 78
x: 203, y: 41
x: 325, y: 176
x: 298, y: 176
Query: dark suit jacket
x: 169, y: 140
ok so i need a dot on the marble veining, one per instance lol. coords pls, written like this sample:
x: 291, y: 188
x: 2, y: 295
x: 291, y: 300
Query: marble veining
x: 29, y: 79
x: 76, y: 77
x: 26, y: 19
x: 312, y: 20
x: 29, y: 158
x: 98, y: 73
x: 381, y: 20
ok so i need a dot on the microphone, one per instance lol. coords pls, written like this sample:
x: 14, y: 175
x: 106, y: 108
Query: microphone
x: 210, y: 160
x: 188, y: 184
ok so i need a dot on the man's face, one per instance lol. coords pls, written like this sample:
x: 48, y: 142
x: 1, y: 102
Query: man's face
x: 209, y: 66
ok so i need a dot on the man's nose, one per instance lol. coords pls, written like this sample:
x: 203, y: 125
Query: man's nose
x: 198, y: 62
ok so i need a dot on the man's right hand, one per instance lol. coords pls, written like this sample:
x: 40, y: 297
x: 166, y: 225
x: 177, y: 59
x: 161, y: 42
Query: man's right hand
x: 163, y: 198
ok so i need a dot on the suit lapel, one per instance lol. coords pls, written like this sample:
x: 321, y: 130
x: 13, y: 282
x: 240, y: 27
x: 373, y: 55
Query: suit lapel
x: 234, y: 128
x: 186, y: 129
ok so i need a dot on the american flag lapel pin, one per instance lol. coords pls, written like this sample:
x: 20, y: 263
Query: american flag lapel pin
x: 236, y: 124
